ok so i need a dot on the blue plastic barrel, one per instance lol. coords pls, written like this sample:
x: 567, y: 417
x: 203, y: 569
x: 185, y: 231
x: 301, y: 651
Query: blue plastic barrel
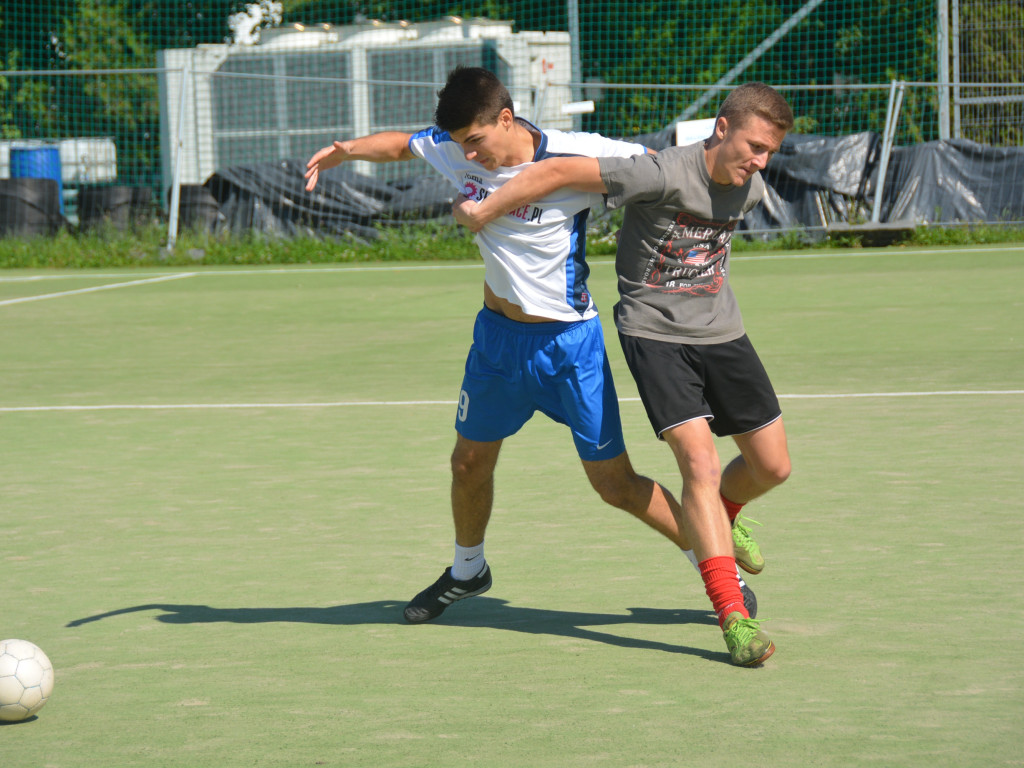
x: 38, y: 163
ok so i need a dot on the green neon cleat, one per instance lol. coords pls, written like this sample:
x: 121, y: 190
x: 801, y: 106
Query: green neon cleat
x: 748, y: 645
x: 745, y: 549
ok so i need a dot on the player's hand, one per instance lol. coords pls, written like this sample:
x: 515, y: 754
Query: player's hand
x: 328, y: 157
x: 463, y: 209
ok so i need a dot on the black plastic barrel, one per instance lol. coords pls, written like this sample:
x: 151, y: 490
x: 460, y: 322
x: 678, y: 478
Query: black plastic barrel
x: 197, y: 208
x: 29, y: 207
x: 110, y: 205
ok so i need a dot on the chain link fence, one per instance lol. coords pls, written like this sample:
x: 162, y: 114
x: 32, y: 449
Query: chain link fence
x: 159, y: 109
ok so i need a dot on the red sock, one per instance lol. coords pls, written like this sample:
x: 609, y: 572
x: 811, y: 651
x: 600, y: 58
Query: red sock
x: 732, y: 509
x: 723, y: 586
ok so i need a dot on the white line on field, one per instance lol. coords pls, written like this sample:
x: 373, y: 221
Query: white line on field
x: 941, y: 393
x: 228, y: 272
x: 394, y: 403
x: 861, y: 253
x: 93, y: 289
x: 217, y: 406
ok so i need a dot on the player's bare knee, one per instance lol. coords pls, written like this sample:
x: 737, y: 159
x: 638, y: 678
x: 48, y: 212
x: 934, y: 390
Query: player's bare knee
x: 468, y: 469
x: 618, y: 493
x: 618, y: 484
x: 701, y: 469
x: 774, y: 473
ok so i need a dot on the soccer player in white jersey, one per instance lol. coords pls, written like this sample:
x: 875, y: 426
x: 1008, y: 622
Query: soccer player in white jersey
x: 537, y: 342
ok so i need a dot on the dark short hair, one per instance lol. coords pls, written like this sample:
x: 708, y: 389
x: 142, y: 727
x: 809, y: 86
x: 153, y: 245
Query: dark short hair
x: 756, y: 99
x: 471, y: 95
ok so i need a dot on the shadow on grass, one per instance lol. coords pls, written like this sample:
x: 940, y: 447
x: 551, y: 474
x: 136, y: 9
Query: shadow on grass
x: 4, y: 723
x: 483, y: 612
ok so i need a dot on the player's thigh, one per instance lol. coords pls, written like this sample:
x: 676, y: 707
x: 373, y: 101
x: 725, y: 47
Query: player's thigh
x: 766, y: 452
x: 591, y: 409
x: 490, y: 409
x: 574, y: 386
x: 693, y: 445
x: 494, y: 401
x: 737, y: 388
x: 669, y: 381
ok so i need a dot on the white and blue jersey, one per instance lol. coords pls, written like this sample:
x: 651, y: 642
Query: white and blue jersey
x: 534, y: 257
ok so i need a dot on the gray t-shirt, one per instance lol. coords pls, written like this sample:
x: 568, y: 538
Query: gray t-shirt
x: 673, y: 253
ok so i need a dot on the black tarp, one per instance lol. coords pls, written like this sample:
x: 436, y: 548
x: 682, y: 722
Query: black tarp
x: 816, y: 181
x: 955, y: 180
x: 813, y: 182
x: 272, y: 198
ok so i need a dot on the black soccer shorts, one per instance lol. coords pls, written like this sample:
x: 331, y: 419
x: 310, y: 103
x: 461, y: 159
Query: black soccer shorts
x: 724, y: 383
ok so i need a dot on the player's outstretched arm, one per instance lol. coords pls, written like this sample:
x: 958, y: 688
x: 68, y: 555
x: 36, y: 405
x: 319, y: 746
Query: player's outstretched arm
x: 531, y: 184
x: 385, y: 147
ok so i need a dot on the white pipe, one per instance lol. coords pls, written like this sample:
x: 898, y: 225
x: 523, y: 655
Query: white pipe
x: 888, y: 137
x: 172, y: 214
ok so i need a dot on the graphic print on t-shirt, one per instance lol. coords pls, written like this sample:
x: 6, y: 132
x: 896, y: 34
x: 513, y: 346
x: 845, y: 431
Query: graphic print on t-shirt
x: 690, y: 257
x: 473, y: 189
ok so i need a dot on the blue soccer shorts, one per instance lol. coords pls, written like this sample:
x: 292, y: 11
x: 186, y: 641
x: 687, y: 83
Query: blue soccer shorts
x: 560, y: 369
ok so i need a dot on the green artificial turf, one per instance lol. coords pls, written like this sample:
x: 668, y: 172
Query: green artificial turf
x: 217, y: 492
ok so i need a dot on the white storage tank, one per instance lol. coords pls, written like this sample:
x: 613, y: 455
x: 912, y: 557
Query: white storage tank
x: 303, y: 86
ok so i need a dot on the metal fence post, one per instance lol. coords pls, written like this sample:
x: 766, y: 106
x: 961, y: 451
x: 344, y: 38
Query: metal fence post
x: 892, y: 114
x: 956, y: 68
x: 942, y: 43
x: 575, y: 59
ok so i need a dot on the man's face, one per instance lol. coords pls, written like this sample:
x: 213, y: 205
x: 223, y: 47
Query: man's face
x: 745, y: 149
x: 489, y: 145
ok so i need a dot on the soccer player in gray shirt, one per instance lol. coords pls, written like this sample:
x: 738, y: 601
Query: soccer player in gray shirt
x: 681, y: 329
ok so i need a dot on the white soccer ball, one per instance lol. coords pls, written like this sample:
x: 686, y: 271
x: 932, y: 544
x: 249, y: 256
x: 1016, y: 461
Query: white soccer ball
x: 26, y: 679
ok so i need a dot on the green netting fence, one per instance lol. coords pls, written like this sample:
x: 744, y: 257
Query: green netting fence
x: 150, y: 94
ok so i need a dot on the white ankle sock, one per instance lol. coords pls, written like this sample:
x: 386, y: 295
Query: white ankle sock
x: 469, y: 561
x: 692, y: 557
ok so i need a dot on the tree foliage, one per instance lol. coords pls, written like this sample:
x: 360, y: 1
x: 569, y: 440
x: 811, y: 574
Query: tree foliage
x: 840, y: 44
x: 839, y: 48
x: 995, y: 54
